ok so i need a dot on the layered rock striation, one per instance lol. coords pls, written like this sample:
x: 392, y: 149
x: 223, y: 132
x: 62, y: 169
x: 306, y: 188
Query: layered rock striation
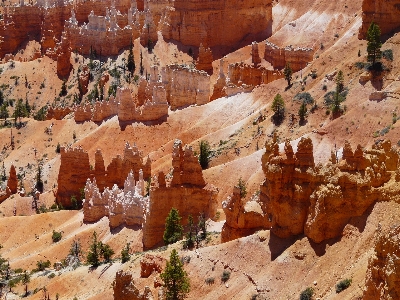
x: 75, y: 170
x: 299, y: 197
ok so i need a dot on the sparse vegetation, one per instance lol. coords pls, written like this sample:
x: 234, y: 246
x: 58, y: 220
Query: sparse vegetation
x: 342, y: 285
x: 278, y: 107
x: 304, y: 97
x: 242, y: 187
x: 56, y: 236
x: 226, y: 274
x: 307, y: 294
x: 387, y: 54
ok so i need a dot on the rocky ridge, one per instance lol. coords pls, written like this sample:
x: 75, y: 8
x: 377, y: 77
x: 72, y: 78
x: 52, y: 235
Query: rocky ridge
x: 299, y: 197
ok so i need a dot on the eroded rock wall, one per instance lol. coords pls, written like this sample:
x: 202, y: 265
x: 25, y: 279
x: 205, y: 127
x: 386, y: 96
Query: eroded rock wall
x: 75, y: 170
x: 299, y: 197
x: 57, y: 113
x: 186, y: 192
x: 384, y: 13
x: 297, y: 57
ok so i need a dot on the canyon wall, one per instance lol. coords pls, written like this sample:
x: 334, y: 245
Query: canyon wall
x: 75, y: 169
x: 57, y: 113
x: 186, y: 192
x: 297, y: 58
x: 299, y: 197
x: 222, y: 25
x: 384, y: 13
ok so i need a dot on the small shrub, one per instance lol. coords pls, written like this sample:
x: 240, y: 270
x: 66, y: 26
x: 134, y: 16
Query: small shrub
x: 242, y: 186
x: 307, y: 294
x: 51, y: 276
x: 304, y: 97
x: 384, y: 130
x: 325, y: 87
x: 342, y: 285
x: 56, y: 237
x: 210, y: 280
x: 336, y: 35
x: 225, y: 276
x: 125, y: 257
x: 388, y: 54
x: 42, y: 265
x: 58, y: 148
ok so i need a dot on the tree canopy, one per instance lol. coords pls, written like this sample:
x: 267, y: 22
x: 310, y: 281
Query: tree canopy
x: 173, y: 228
x: 374, y: 43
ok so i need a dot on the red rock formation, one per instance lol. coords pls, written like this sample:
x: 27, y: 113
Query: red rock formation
x: 63, y: 58
x: 12, y: 182
x: 84, y: 77
x: 297, y: 58
x: 57, y: 113
x: 75, y: 170
x: 187, y: 193
x: 83, y: 113
x: 205, y: 59
x: 241, y: 218
x: 185, y: 86
x: 151, y: 263
x: 384, y: 13
x: 255, y: 56
x: 219, y: 87
x: 298, y: 197
x: 125, y: 289
x: 382, y: 280
x: 243, y: 74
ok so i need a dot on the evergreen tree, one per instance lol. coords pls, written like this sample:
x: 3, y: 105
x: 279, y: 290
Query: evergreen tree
x: 39, y: 182
x: 63, y: 91
x: 202, y: 226
x: 106, y: 251
x: 93, y: 256
x: 303, y: 112
x: 26, y: 278
x: 1, y: 97
x: 176, y: 280
x: 131, y: 60
x: 339, y: 82
x: 204, y: 157
x: 278, y: 107
x: 141, y: 64
x: 28, y: 108
x: 374, y: 43
x: 4, y: 114
x: 125, y: 256
x: 190, y: 238
x: 173, y: 228
x: 288, y: 73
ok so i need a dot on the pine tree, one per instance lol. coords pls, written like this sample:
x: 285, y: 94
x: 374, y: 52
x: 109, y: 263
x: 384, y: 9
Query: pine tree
x: 190, y: 238
x: 303, y: 112
x: 131, y: 60
x: 176, y: 280
x: 337, y: 97
x: 106, y: 251
x: 288, y: 74
x: 63, y: 91
x: 374, y: 43
x: 141, y: 63
x: 278, y: 107
x: 339, y: 82
x: 26, y: 278
x: 204, y: 157
x: 173, y: 228
x: 4, y: 114
x: 93, y: 256
x: 202, y: 226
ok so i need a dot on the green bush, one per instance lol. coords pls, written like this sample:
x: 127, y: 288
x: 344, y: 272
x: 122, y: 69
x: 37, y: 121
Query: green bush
x: 56, y: 237
x: 388, y: 54
x: 342, y: 285
x: 225, y: 276
x: 307, y: 294
x: 210, y: 280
